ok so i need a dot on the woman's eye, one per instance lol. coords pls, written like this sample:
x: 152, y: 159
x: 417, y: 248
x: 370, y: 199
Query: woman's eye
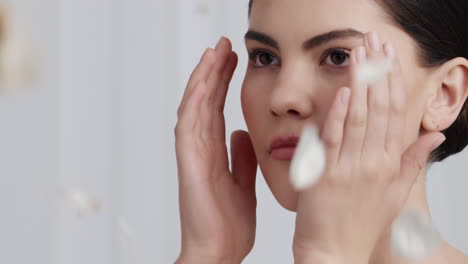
x: 337, y: 58
x: 262, y: 58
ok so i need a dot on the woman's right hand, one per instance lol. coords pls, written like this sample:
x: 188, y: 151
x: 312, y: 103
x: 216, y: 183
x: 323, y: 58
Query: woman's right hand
x: 217, y: 205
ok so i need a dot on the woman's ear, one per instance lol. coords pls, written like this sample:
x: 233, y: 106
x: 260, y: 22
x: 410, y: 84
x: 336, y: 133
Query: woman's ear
x: 448, y: 96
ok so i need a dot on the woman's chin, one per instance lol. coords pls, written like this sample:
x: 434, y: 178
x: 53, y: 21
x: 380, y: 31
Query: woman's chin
x: 289, y: 205
x: 285, y: 196
x: 277, y: 179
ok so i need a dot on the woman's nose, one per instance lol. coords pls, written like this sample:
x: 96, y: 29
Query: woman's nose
x: 293, y: 98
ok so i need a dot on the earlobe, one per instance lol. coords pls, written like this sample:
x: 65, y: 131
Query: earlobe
x: 450, y: 93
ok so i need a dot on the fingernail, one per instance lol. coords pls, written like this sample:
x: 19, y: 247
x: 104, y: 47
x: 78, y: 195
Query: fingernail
x: 374, y: 41
x: 361, y: 55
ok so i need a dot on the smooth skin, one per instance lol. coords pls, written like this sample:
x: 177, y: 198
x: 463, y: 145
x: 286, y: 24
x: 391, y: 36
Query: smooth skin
x: 377, y: 144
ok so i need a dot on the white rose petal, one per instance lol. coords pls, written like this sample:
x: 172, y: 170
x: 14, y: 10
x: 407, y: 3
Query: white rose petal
x: 414, y: 237
x: 81, y: 202
x: 128, y: 240
x: 373, y: 71
x: 17, y: 59
x: 309, y: 159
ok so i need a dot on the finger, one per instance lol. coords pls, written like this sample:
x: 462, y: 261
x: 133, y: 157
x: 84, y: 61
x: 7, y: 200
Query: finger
x: 226, y: 78
x: 414, y: 160
x: 244, y: 161
x: 206, y: 119
x: 188, y: 134
x: 332, y: 132
x: 190, y: 117
x: 216, y: 122
x: 201, y: 72
x: 219, y: 122
x: 356, y: 119
x: 223, y: 51
x: 377, y: 103
x: 397, y: 109
x: 213, y: 137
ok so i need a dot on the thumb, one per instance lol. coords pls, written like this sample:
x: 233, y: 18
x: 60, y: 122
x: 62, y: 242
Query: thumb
x: 415, y: 158
x: 243, y: 160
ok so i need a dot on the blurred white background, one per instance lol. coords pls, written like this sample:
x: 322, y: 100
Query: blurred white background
x: 100, y: 119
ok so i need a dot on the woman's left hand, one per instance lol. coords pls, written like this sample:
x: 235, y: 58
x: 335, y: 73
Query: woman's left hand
x: 368, y: 173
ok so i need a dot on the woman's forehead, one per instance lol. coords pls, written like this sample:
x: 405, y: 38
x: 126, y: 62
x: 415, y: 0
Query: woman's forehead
x: 301, y: 19
x: 318, y: 13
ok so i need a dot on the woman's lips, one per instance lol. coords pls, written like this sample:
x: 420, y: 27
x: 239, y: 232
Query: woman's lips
x: 283, y: 148
x: 285, y: 153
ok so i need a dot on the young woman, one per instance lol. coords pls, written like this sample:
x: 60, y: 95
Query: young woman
x: 379, y: 137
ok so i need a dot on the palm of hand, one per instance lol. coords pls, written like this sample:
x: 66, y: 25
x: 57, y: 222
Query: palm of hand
x: 217, y: 206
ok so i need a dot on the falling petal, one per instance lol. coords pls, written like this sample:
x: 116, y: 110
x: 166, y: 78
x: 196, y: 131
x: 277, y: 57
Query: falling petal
x: 414, y: 236
x: 17, y: 59
x: 81, y: 202
x: 309, y: 159
x: 128, y: 240
x: 203, y: 9
x: 374, y: 71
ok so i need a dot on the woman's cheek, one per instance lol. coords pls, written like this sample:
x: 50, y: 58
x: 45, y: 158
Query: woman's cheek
x: 253, y: 98
x: 254, y: 101
x: 247, y: 101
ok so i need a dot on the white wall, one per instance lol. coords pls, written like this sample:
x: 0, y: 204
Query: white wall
x: 28, y: 147
x: 101, y: 119
x: 86, y: 133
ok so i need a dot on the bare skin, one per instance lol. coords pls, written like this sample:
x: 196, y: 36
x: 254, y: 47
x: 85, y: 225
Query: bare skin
x: 284, y: 90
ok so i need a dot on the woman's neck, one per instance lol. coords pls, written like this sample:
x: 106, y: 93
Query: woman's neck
x: 417, y: 200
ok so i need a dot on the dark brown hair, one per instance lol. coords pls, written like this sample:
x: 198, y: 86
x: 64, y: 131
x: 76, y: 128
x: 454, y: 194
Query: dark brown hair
x: 440, y: 29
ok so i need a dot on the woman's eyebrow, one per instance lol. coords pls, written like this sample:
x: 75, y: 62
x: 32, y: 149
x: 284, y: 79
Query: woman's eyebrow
x: 309, y: 44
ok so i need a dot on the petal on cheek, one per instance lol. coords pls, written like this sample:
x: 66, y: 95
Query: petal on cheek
x: 309, y: 159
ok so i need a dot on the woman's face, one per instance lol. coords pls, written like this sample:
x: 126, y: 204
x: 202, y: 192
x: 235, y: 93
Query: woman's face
x: 287, y: 86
